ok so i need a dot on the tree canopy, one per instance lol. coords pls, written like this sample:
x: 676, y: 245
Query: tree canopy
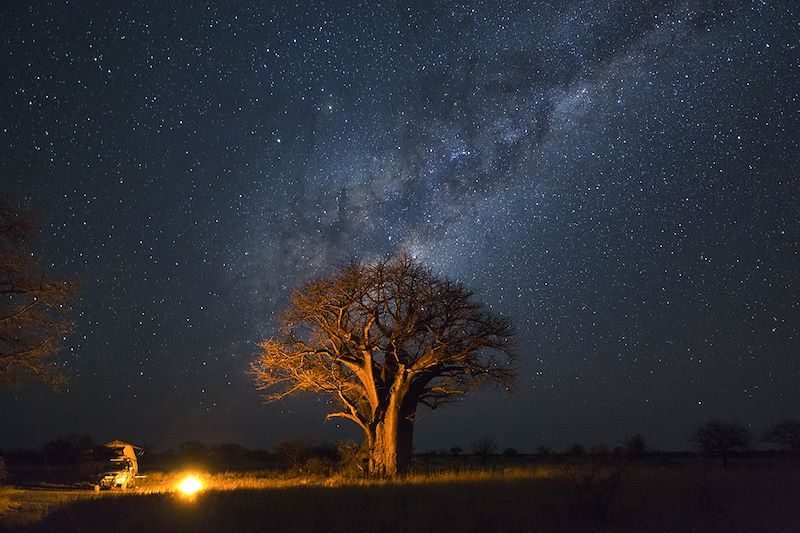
x: 380, y: 338
x: 33, y: 304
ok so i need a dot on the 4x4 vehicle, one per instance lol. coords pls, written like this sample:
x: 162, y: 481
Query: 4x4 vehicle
x: 114, y: 465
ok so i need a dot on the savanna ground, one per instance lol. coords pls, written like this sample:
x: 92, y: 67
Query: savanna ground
x: 561, y: 495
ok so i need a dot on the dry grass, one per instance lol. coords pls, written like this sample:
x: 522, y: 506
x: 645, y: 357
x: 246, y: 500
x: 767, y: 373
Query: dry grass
x: 5, y: 500
x: 538, y: 498
x: 163, y: 482
x: 23, y: 506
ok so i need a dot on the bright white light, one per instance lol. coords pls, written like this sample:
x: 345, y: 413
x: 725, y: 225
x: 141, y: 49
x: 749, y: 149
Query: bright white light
x: 190, y: 485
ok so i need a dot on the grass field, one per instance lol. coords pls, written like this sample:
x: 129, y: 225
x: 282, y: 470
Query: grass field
x: 554, y: 497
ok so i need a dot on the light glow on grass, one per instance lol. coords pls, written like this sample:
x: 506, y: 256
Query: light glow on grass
x: 190, y: 485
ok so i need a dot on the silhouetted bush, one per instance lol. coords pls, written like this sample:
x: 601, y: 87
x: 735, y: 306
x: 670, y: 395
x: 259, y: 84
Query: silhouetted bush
x: 294, y: 452
x: 634, y: 447
x: 318, y: 467
x: 68, y: 450
x: 24, y: 457
x: 229, y: 452
x: 193, y: 450
x: 594, y: 485
x: 484, y: 447
x: 328, y: 451
x: 600, y: 450
x: 353, y: 459
x: 785, y: 434
x: 721, y: 438
x: 576, y: 450
x: 543, y: 451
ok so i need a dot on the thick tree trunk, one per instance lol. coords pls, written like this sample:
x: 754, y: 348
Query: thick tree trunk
x: 383, y: 453
x: 405, y: 443
x: 391, y: 443
x: 405, y: 433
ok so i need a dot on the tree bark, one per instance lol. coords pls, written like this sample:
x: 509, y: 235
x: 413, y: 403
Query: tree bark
x: 405, y: 446
x: 392, y: 440
x: 391, y: 444
x: 405, y: 432
x: 383, y: 454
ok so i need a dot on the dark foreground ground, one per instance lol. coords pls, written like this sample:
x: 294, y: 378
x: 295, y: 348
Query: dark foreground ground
x: 572, y: 497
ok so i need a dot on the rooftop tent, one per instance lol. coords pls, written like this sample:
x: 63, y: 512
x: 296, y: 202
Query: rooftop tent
x: 126, y: 449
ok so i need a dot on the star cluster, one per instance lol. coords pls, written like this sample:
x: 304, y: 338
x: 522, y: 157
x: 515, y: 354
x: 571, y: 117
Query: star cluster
x: 618, y: 177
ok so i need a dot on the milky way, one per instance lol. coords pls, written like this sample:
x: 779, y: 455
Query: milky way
x: 620, y: 178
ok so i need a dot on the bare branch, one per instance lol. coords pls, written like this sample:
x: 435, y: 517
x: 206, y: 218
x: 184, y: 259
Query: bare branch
x: 32, y: 306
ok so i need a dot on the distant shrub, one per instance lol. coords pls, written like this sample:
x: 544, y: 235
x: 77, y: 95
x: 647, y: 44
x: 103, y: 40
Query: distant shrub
x: 543, y: 451
x: 721, y: 438
x: 318, y: 467
x: 785, y: 434
x: 484, y: 447
x: 326, y: 450
x: 229, y: 451
x: 67, y: 450
x: 576, y: 450
x: 352, y: 459
x: 594, y: 485
x: 192, y: 449
x: 3, y: 471
x: 634, y: 447
x: 296, y: 451
x: 600, y: 450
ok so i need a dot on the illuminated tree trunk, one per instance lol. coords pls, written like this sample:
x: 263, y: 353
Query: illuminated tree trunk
x: 391, y: 445
x: 392, y: 441
x: 383, y: 453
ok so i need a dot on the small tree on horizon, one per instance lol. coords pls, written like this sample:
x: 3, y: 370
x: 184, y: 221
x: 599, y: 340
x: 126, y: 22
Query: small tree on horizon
x: 544, y: 451
x: 786, y: 434
x: 715, y: 437
x: 381, y: 338
x: 576, y: 450
x: 511, y: 452
x: 295, y: 451
x: 484, y: 448
x: 634, y: 446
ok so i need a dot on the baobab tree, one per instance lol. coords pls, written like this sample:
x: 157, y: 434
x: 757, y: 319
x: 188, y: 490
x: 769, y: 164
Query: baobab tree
x: 33, y: 304
x: 381, y: 338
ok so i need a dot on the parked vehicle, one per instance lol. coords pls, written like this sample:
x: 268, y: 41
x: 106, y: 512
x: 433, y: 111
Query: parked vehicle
x: 114, y: 465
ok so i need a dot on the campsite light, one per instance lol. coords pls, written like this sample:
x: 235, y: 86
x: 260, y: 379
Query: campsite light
x: 190, y: 485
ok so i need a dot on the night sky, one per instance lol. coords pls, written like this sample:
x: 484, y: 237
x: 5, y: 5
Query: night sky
x: 620, y: 178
